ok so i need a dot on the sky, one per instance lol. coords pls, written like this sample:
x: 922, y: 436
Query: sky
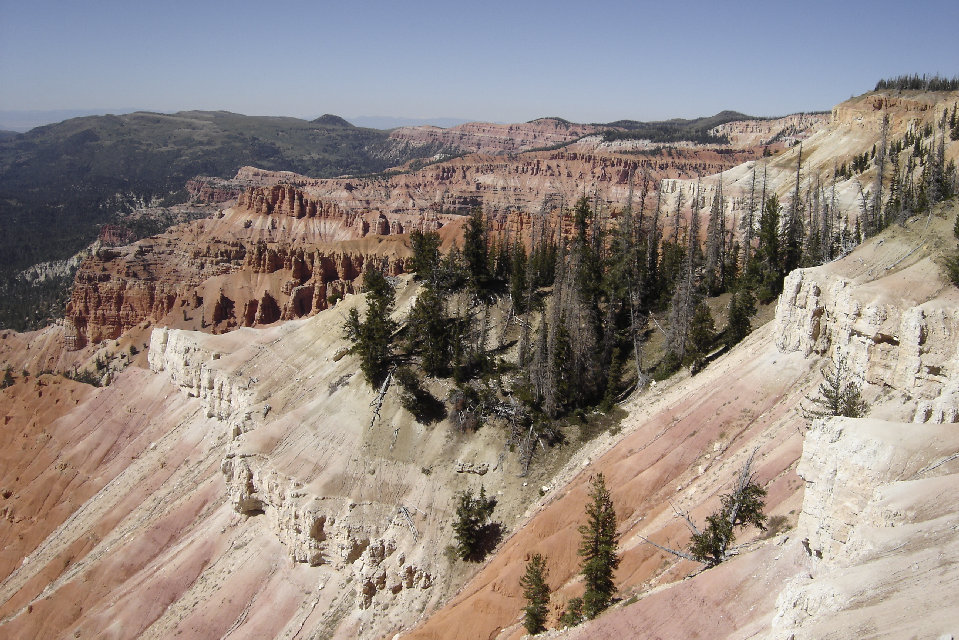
x: 586, y: 61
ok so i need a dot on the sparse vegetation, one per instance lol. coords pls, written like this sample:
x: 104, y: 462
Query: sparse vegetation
x: 677, y: 130
x: 572, y: 615
x: 740, y: 508
x: 743, y: 507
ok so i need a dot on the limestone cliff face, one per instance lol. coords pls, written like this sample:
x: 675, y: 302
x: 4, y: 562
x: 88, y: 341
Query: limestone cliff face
x: 878, y: 527
x: 789, y: 129
x: 210, y: 190
x: 907, y: 107
x: 369, y: 543
x: 905, y: 343
x: 497, y: 183
x: 286, y: 200
x: 193, y: 368
x: 102, y: 307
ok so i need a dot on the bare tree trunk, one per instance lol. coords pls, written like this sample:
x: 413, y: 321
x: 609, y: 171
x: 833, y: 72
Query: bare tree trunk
x: 749, y: 221
x: 678, y: 214
x: 684, y: 300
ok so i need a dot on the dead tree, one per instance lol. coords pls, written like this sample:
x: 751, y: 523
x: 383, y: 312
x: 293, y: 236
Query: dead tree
x: 687, y: 295
x: 680, y: 200
x: 748, y: 222
x: 742, y: 507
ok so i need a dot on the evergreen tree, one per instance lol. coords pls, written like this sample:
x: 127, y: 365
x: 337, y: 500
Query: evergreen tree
x: 742, y: 507
x: 372, y: 337
x: 475, y: 534
x: 8, y: 380
x: 765, y: 267
x: 716, y: 258
x: 518, y: 292
x: 452, y: 273
x: 613, y: 381
x: 687, y: 295
x: 429, y: 332
x: 598, y: 549
x: 536, y: 592
x: 702, y: 334
x: 426, y: 253
x: 476, y: 251
x: 742, y: 306
x: 586, y: 258
x: 951, y: 265
x: 573, y: 613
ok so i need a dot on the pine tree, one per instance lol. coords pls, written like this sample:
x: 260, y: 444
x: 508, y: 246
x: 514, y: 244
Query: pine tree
x: 839, y: 394
x: 598, y: 549
x: 573, y: 613
x: 702, y: 334
x: 742, y: 306
x: 8, y: 379
x: 429, y: 332
x: 687, y: 294
x: 518, y: 290
x: 764, y: 270
x: 474, y: 533
x: 372, y: 337
x: 476, y: 251
x: 951, y: 265
x: 536, y: 592
x: 426, y: 253
x: 742, y: 507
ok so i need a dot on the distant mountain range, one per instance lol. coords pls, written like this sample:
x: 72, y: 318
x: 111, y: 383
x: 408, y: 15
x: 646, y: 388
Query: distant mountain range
x: 24, y: 120
x: 391, y: 122
x: 19, y: 121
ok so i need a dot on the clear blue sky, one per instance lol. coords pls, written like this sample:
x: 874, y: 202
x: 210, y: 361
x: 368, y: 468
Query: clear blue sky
x: 587, y: 61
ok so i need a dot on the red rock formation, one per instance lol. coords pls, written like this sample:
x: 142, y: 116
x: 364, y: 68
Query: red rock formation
x: 207, y: 190
x: 222, y: 273
x: 484, y: 137
x: 284, y: 222
x: 114, y: 235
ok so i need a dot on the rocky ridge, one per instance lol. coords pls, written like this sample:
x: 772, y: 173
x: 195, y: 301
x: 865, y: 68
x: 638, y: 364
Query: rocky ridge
x: 168, y: 277
x: 485, y: 137
x: 265, y: 426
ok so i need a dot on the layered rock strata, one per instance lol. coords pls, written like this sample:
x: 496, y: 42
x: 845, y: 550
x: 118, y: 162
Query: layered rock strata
x: 890, y: 341
x: 368, y: 541
x: 485, y: 137
x: 879, y: 530
x: 276, y: 255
